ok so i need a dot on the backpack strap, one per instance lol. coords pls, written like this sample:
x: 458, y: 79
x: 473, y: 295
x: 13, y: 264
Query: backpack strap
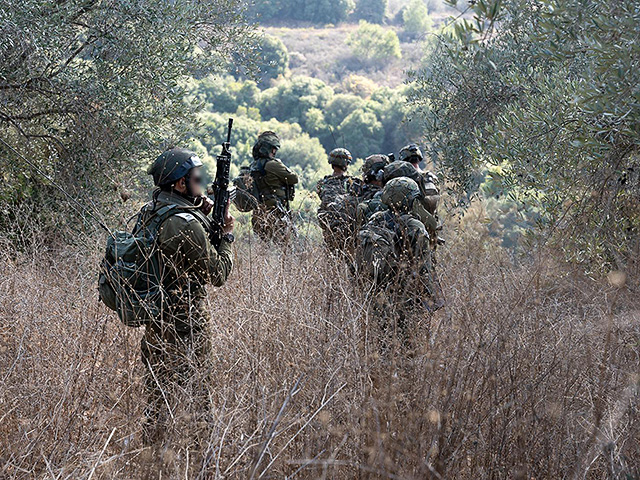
x: 160, y: 216
x: 391, y: 223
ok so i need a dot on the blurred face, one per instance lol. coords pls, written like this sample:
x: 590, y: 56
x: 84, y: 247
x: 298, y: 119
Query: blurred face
x: 274, y: 150
x: 196, y: 183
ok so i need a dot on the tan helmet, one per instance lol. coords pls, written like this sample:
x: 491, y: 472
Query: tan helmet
x: 340, y: 157
x: 411, y: 153
x: 399, y: 194
x: 373, y: 165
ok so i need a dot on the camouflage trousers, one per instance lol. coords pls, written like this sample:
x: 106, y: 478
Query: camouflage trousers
x: 273, y: 224
x: 176, y: 379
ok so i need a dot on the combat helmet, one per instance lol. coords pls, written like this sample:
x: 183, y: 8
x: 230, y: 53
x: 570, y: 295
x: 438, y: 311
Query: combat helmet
x: 400, y: 168
x: 172, y: 165
x: 373, y: 165
x: 399, y: 194
x: 266, y: 141
x: 340, y: 157
x: 410, y: 151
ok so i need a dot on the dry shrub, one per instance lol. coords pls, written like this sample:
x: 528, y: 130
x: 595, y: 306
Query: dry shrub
x: 532, y: 371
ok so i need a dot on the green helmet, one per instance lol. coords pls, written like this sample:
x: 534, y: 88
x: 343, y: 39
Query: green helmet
x: 172, y: 165
x: 409, y: 151
x: 373, y: 164
x: 400, y: 168
x: 399, y: 194
x: 340, y: 157
x: 265, y: 143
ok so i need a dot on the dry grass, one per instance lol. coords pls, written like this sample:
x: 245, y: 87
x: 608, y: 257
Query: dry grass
x: 532, y: 372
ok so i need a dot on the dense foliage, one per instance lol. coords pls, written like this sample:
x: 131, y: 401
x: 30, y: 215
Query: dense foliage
x: 373, y: 44
x: 273, y: 58
x: 373, y: 11
x: 416, y: 19
x: 87, y: 92
x: 549, y: 92
x: 307, y: 112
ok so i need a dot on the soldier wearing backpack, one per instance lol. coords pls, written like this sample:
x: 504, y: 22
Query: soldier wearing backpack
x: 372, y: 171
x: 341, y: 213
x: 275, y: 185
x: 176, y: 345
x: 394, y: 261
x: 429, y: 196
x: 331, y: 189
x: 428, y: 184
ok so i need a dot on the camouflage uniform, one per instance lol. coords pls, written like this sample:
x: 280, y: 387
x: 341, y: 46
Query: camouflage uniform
x: 426, y: 209
x: 332, y: 190
x: 344, y: 209
x: 330, y: 187
x: 367, y: 193
x: 394, y: 257
x: 411, y: 153
x: 272, y: 219
x: 367, y: 208
x: 176, y: 347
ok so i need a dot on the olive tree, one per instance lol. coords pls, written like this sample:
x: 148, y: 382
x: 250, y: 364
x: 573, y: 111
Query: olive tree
x: 548, y: 91
x: 90, y: 91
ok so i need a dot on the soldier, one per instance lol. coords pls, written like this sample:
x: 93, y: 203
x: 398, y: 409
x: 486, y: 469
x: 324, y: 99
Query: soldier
x: 372, y: 171
x: 429, y: 196
x: 344, y: 210
x: 338, y: 182
x: 393, y: 256
x: 411, y: 153
x: 275, y: 182
x: 176, y: 347
x: 331, y: 190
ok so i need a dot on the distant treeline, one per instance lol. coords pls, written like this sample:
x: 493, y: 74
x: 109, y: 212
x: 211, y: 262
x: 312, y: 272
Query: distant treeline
x: 334, y: 11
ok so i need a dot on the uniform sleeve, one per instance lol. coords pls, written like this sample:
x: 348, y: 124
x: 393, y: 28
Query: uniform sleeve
x: 187, y: 241
x: 276, y: 167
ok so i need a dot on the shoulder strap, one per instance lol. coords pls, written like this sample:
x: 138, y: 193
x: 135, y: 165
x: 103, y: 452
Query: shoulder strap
x: 258, y: 178
x: 160, y: 216
x: 391, y: 223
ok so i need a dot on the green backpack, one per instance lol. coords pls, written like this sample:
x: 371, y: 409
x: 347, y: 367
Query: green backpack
x: 130, y: 273
x: 338, y: 221
x: 247, y: 193
x: 377, y: 252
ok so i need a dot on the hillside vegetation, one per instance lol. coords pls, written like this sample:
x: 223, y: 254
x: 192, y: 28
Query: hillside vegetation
x: 528, y: 111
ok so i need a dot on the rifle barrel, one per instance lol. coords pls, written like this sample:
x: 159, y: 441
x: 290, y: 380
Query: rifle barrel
x: 229, y: 130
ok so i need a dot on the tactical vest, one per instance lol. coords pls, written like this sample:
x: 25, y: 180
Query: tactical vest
x: 269, y: 195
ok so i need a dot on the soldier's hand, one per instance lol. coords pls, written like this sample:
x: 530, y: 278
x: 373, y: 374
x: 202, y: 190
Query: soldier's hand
x: 229, y: 221
x: 206, y: 205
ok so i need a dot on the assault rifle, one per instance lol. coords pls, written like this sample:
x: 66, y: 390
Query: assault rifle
x: 222, y: 194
